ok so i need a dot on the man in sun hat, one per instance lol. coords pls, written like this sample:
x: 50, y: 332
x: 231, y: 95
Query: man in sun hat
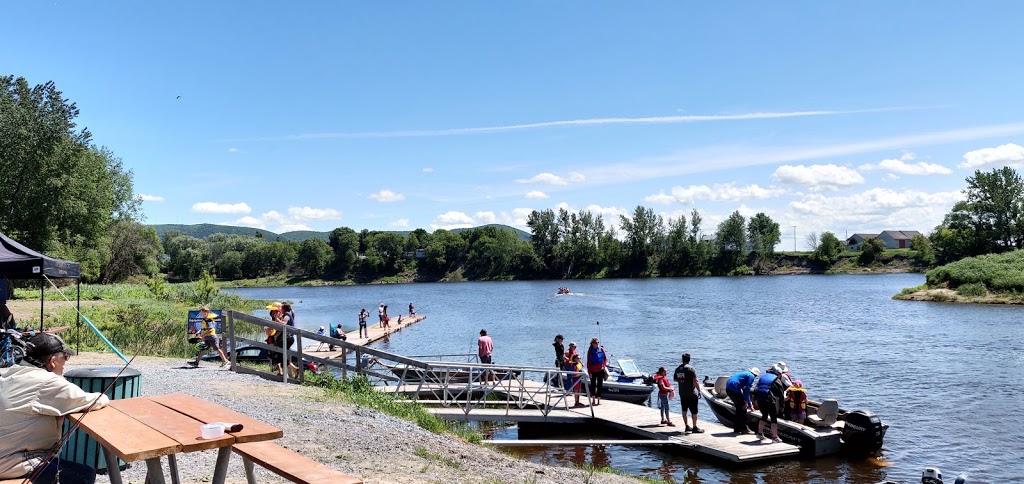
x: 34, y: 397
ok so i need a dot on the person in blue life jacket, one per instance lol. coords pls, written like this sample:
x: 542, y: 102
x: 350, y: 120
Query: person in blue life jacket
x: 738, y: 390
x: 764, y: 393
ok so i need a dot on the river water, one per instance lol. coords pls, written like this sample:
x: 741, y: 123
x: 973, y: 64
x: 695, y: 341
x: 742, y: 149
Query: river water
x: 938, y: 374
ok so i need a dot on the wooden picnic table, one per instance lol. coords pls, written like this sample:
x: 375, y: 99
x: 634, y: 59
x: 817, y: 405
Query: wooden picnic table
x: 148, y: 428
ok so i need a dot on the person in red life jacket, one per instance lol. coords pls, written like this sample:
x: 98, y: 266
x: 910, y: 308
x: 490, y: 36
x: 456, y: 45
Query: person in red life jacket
x: 796, y: 402
x: 597, y: 361
x: 665, y: 392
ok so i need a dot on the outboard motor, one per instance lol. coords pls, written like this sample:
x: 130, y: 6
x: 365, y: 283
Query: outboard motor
x: 862, y: 432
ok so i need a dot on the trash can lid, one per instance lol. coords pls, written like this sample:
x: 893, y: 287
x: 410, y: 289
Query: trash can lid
x: 101, y: 372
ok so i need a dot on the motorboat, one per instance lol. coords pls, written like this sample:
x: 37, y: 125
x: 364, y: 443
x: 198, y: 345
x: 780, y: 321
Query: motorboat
x: 828, y: 429
x: 563, y: 290
x: 627, y: 383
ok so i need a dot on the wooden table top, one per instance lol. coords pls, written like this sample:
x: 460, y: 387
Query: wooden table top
x: 146, y: 427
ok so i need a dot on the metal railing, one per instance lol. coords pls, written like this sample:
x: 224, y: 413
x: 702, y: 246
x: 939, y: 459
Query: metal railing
x: 466, y: 385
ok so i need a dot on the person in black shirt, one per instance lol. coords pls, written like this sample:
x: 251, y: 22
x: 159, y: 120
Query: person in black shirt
x: 689, y: 392
x: 559, y: 352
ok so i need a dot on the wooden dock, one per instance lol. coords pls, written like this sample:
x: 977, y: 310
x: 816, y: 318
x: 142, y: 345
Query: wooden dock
x: 717, y: 441
x: 373, y: 331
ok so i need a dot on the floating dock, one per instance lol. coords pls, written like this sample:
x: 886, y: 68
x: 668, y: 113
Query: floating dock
x: 373, y: 333
x: 717, y: 441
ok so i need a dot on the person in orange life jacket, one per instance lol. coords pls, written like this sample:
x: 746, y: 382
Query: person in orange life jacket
x: 796, y: 402
x: 768, y: 404
x: 597, y: 361
x: 738, y: 390
x: 573, y: 384
x: 665, y: 392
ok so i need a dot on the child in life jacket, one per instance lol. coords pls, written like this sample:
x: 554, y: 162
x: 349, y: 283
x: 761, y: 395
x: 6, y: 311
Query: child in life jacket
x: 665, y: 392
x: 796, y: 402
x: 576, y: 377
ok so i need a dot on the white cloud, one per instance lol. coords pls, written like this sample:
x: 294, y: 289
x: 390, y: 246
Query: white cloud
x: 536, y: 195
x: 214, y: 207
x: 485, y: 217
x: 902, y: 167
x: 386, y: 196
x: 401, y: 223
x: 310, y: 213
x: 428, y: 170
x: 452, y: 220
x: 234, y: 150
x: 582, y: 122
x: 150, y: 198
x: 1009, y: 154
x: 291, y: 228
x: 818, y: 177
x: 552, y: 179
x: 719, y: 192
x: 295, y: 219
x: 874, y: 210
x: 249, y: 222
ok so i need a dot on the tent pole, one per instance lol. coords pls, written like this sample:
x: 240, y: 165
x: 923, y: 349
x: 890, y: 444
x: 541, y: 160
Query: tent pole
x: 42, y: 298
x: 78, y: 316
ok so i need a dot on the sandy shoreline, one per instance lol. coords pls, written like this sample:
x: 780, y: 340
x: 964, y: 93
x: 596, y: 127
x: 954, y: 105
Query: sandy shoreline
x: 358, y: 441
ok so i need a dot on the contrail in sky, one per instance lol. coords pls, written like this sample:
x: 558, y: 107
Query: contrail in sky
x: 693, y: 118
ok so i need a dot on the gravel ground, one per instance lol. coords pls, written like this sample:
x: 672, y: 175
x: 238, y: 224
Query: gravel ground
x: 374, y: 446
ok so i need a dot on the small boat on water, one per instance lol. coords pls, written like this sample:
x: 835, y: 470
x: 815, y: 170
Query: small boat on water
x: 828, y: 430
x: 563, y: 290
x: 627, y: 383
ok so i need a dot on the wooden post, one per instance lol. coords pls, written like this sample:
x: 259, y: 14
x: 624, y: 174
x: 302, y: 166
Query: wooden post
x: 302, y: 362
x: 285, y: 360
x: 231, y: 338
x: 344, y: 362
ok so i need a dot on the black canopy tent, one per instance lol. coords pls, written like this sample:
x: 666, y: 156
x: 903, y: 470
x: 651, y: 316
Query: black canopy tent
x: 20, y: 262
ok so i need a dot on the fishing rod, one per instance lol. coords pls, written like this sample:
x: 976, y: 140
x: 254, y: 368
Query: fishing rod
x: 71, y: 430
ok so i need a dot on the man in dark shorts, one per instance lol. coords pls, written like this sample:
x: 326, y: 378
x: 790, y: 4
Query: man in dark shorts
x: 689, y: 392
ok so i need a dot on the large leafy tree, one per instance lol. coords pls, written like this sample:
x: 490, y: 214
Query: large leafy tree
x: 59, y: 192
x: 995, y: 202
x: 828, y: 248
x: 731, y: 241
x: 344, y: 243
x: 134, y: 250
x: 544, y: 236
x: 763, y: 233
x: 314, y: 256
x: 644, y: 233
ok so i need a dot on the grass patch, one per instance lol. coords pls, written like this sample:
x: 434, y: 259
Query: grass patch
x: 147, y: 319
x: 911, y: 290
x: 972, y: 289
x: 591, y: 470
x: 436, y: 457
x: 360, y: 391
x: 999, y: 273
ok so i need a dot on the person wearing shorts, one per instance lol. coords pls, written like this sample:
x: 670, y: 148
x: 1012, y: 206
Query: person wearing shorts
x: 208, y: 330
x: 689, y: 392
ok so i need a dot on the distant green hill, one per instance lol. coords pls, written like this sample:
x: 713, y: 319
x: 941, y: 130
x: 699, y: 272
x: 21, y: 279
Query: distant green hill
x: 201, y: 231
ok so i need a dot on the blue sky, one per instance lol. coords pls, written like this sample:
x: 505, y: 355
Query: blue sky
x: 855, y: 117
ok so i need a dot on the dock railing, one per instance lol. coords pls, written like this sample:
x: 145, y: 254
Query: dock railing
x: 465, y: 385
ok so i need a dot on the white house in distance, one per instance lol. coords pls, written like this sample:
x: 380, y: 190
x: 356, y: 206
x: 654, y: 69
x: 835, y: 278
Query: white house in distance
x: 893, y: 239
x: 898, y: 239
x: 856, y: 240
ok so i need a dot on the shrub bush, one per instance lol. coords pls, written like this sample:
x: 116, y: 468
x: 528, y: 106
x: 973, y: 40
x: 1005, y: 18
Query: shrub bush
x: 972, y: 289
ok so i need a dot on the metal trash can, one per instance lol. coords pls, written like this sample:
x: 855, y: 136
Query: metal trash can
x: 80, y: 447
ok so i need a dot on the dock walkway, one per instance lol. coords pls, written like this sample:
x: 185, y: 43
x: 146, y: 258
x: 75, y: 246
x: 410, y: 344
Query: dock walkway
x: 374, y: 333
x: 717, y: 440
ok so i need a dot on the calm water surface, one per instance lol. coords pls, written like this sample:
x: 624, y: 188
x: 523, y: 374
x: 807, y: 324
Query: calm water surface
x: 940, y: 375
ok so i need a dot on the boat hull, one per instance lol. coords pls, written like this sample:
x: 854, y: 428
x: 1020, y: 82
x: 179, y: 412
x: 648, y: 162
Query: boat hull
x: 814, y: 441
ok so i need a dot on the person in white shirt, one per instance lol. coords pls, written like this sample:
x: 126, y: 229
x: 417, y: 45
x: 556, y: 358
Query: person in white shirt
x: 34, y: 398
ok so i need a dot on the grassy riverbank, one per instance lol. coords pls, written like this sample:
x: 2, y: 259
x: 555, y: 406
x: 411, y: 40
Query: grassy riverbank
x: 986, y: 279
